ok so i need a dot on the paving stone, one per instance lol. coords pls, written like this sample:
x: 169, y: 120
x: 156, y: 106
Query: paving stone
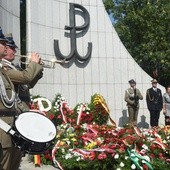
x: 27, y: 164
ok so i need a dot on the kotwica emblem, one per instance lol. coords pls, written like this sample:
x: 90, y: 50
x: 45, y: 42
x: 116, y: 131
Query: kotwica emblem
x: 75, y: 32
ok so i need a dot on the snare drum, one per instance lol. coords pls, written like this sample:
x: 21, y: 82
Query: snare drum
x: 34, y: 133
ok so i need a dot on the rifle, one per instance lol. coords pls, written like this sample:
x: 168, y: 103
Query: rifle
x: 136, y: 98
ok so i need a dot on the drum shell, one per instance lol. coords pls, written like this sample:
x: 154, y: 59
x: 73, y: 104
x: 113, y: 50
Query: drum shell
x: 30, y: 145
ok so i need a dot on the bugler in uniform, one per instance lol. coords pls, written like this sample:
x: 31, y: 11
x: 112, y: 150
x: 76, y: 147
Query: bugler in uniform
x: 9, y: 108
x: 22, y: 80
x: 25, y: 79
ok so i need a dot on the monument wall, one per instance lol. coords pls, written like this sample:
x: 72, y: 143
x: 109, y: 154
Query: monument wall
x: 10, y: 18
x: 99, y: 62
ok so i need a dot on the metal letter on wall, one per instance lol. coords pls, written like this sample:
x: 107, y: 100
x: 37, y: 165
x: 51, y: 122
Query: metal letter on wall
x: 73, y: 34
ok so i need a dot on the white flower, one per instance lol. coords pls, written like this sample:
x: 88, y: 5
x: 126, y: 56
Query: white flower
x: 164, y: 141
x: 78, y: 159
x: 63, y: 150
x: 126, y: 157
x: 133, y: 166
x: 116, y: 156
x: 118, y: 168
x: 62, y: 98
x: 68, y: 156
x: 122, y: 164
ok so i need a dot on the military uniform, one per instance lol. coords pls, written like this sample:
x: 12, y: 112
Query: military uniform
x: 23, y: 80
x: 4, y: 91
x: 155, y: 104
x: 132, y: 96
x: 166, y: 103
x: 9, y: 108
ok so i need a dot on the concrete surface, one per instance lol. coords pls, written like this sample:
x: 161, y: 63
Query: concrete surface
x: 26, y: 164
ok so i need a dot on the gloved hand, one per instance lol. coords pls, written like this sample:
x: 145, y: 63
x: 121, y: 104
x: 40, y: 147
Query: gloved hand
x: 131, y: 98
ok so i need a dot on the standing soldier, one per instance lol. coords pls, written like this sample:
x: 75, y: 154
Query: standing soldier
x: 166, y: 105
x: 2, y: 53
x: 22, y: 80
x: 10, y: 107
x: 154, y: 103
x: 132, y: 96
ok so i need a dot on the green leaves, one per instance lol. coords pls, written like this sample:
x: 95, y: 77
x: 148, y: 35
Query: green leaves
x: 144, y: 28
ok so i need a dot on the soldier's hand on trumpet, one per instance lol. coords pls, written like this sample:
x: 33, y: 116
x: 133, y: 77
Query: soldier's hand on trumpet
x: 35, y: 58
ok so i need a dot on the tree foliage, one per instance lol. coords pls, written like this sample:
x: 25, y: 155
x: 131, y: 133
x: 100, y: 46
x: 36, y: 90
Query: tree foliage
x: 144, y: 28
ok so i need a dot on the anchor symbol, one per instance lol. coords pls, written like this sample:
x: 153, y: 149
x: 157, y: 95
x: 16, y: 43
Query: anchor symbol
x: 73, y: 35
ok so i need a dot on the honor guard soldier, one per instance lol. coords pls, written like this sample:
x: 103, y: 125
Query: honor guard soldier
x: 10, y: 106
x: 154, y: 103
x: 2, y: 53
x: 23, y: 80
x: 132, y: 97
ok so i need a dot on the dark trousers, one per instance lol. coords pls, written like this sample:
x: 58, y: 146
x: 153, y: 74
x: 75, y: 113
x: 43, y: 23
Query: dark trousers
x: 154, y: 117
x: 11, y: 159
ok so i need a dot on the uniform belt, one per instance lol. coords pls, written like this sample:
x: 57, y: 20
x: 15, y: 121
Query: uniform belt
x: 7, y: 113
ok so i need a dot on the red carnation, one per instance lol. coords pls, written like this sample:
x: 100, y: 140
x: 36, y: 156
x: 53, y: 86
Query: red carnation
x: 102, y: 156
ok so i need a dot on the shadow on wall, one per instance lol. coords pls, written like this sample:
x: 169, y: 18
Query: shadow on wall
x: 124, y: 120
x: 143, y: 123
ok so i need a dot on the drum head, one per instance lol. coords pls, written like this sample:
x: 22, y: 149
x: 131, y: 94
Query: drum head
x: 35, y: 127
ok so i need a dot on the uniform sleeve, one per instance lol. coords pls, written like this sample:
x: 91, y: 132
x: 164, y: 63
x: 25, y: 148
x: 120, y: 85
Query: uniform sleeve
x: 25, y: 76
x: 147, y: 98
x: 126, y: 98
x: 35, y: 80
x: 163, y: 98
x: 140, y: 95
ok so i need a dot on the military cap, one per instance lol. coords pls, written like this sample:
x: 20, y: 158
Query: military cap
x: 154, y: 81
x: 132, y: 81
x: 2, y: 37
x: 10, y: 40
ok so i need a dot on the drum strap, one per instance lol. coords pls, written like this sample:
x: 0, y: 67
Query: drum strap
x: 7, y: 113
x: 6, y: 127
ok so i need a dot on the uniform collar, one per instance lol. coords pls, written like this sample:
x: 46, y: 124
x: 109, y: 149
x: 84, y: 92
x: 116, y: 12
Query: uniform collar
x: 154, y: 88
x: 6, y: 61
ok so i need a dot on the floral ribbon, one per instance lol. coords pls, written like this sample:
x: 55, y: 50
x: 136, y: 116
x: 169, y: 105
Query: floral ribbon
x: 135, y: 159
x: 80, y: 114
x: 61, y: 110
x: 56, y: 147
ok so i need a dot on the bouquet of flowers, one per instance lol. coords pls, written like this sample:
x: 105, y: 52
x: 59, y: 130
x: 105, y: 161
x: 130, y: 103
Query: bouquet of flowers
x: 85, y: 141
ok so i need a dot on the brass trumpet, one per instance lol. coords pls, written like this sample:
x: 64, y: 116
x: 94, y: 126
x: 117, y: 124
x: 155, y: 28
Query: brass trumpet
x: 44, y: 62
